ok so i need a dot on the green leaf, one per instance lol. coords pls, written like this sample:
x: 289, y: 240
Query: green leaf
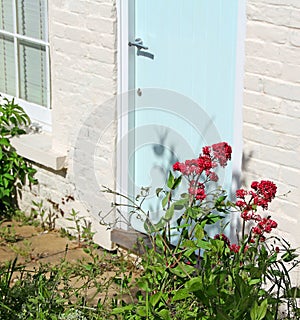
x: 171, y: 180
x: 158, y: 191
x: 203, y: 244
x: 141, y: 311
x: 199, y: 232
x: 165, y: 200
x: 289, y: 255
x: 169, y: 213
x: 195, y: 284
x: 164, y: 314
x: 180, y: 204
x: 176, y: 182
x: 181, y: 294
x: 122, y: 309
x: 254, y: 281
x: 292, y: 293
x: 182, y: 270
x: 259, y: 312
x: 154, y: 299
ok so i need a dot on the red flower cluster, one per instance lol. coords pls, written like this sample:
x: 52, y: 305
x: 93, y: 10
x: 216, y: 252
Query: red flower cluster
x: 262, y: 194
x: 222, y: 237
x: 222, y: 152
x: 197, y: 190
x: 211, y: 157
x: 194, y: 166
x: 233, y: 247
x: 265, y: 192
x: 264, y: 225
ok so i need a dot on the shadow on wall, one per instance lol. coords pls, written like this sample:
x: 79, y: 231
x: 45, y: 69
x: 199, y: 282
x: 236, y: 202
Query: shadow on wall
x: 238, y: 181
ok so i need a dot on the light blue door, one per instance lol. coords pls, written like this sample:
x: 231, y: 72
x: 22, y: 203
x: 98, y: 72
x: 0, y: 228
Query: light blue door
x: 184, y: 93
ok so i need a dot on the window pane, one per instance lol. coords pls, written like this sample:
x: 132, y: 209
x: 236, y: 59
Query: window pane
x: 32, y: 71
x: 7, y: 66
x: 31, y: 18
x: 6, y: 15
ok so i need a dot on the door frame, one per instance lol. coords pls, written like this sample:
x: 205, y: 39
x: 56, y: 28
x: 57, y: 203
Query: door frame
x: 125, y: 10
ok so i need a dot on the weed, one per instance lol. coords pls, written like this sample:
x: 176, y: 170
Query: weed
x: 8, y: 234
x: 47, y: 217
x: 82, y: 228
x: 24, y: 250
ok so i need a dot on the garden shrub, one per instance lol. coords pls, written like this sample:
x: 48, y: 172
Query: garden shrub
x: 188, y: 274
x: 15, y: 171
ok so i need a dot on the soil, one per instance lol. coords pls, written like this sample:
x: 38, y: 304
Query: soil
x: 33, y: 245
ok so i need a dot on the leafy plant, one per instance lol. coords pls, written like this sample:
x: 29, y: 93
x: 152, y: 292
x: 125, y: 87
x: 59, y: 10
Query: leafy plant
x: 46, y: 216
x: 15, y: 171
x: 82, y: 228
x: 188, y: 274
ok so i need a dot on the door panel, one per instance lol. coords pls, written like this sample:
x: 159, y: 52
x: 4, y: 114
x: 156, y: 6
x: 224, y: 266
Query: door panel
x: 194, y: 47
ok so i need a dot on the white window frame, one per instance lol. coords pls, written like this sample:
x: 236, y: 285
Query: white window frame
x: 37, y: 113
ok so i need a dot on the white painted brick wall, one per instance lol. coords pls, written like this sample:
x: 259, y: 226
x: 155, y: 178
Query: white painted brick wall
x: 83, y: 72
x: 272, y: 106
x: 83, y: 41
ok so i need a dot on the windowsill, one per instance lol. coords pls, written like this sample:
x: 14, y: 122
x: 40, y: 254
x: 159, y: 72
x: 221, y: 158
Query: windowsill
x: 37, y: 147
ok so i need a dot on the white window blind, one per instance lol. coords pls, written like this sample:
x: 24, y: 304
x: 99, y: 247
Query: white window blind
x: 24, y: 50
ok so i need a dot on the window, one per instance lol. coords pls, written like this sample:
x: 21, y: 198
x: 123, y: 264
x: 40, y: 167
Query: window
x: 24, y: 53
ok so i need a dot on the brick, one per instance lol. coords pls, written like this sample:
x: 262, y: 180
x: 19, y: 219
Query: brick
x: 107, y: 26
x: 295, y: 37
x: 291, y: 73
x: 279, y: 3
x: 288, y: 175
x: 253, y: 82
x: 266, y: 32
x: 95, y: 67
x: 108, y: 41
x: 262, y: 101
x: 101, y: 54
x: 77, y: 6
x: 260, y: 135
x: 295, y: 18
x: 66, y: 17
x: 289, y: 55
x: 276, y: 156
x: 81, y: 35
x: 258, y: 48
x: 101, y: 9
x: 258, y: 169
x: 290, y: 108
x: 69, y: 47
x: 289, y: 142
x: 263, y: 66
x: 282, y: 89
x: 269, y: 13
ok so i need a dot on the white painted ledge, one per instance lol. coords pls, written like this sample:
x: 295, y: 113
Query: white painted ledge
x: 37, y: 147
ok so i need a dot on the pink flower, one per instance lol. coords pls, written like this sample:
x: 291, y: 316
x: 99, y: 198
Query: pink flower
x: 197, y: 190
x: 206, y: 150
x: 176, y: 166
x: 254, y: 185
x: 222, y: 152
x: 241, y: 193
x: 264, y: 225
x: 222, y: 237
x: 235, y: 248
x: 213, y: 176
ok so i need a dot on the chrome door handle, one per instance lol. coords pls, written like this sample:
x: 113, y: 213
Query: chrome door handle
x: 137, y: 43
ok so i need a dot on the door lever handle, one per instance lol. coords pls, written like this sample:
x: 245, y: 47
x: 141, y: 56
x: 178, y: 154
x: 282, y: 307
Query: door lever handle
x: 137, y: 43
